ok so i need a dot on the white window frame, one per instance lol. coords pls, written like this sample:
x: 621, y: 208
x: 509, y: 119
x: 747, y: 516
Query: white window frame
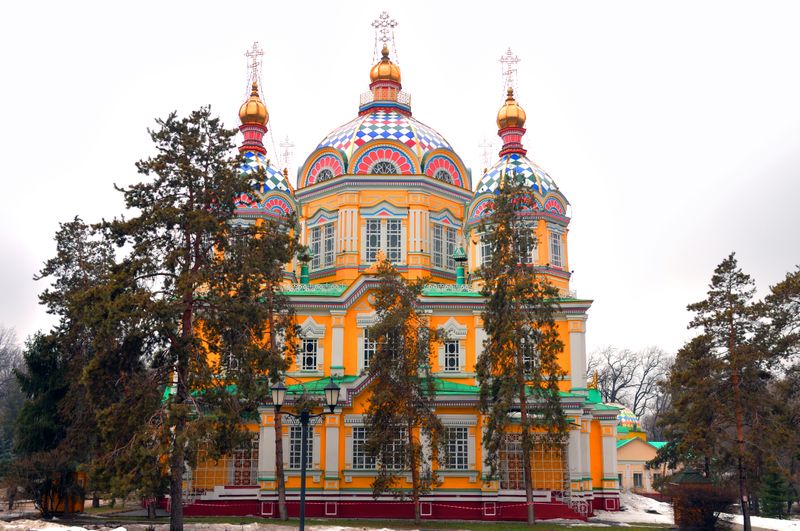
x: 452, y: 352
x: 311, y: 330
x: 556, y: 249
x: 308, y: 345
x: 358, y: 454
x: 295, y: 440
x: 453, y: 331
x: 484, y: 250
x: 322, y: 240
x: 368, y: 349
x: 447, y: 239
x: 385, y: 214
x: 457, y: 453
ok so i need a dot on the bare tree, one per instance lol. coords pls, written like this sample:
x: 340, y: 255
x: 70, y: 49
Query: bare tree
x: 10, y: 357
x: 630, y: 378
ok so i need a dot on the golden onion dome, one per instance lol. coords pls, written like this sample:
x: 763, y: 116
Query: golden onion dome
x: 510, y: 114
x: 385, y: 70
x: 253, y: 111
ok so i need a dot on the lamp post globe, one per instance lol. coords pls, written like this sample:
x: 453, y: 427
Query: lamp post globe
x: 331, y: 395
x: 278, y: 394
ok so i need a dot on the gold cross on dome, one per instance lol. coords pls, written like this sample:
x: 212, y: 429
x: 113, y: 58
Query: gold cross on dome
x: 486, y: 152
x: 254, y: 55
x: 384, y: 28
x: 508, y: 62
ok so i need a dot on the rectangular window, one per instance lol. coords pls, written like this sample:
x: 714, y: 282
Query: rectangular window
x: 444, y: 245
x: 393, y: 452
x: 450, y: 248
x: 245, y: 464
x: 452, y: 356
x: 511, y: 469
x: 295, y: 440
x: 373, y: 243
x: 368, y: 348
x: 308, y: 355
x: 322, y: 246
x: 529, y: 356
x: 316, y: 247
x: 486, y: 251
x: 637, y: 480
x: 328, y: 255
x: 619, y: 476
x: 361, y: 461
x: 394, y: 242
x: 457, y: 448
x: 438, y: 246
x: 555, y: 250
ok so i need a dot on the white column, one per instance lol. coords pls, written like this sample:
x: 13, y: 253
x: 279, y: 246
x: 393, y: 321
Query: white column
x: 480, y: 336
x: 586, y: 465
x: 337, y: 342
x: 266, y: 444
x: 347, y: 230
x: 332, y: 447
x: 610, y: 473
x: 574, y: 452
x: 577, y: 353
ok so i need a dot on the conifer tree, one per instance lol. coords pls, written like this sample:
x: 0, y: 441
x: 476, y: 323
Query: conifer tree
x: 259, y: 328
x: 400, y: 413
x: 180, y: 221
x: 726, y: 317
x: 518, y: 370
x: 774, y: 494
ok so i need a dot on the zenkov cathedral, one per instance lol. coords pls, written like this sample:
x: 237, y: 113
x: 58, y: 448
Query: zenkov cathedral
x: 385, y: 183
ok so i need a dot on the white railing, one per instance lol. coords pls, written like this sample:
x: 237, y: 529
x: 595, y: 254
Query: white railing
x: 403, y: 98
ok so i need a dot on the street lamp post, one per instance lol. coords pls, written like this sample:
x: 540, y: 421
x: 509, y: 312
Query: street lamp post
x: 331, y: 399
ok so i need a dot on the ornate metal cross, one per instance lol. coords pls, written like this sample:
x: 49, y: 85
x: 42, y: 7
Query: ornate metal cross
x: 508, y: 62
x: 384, y: 32
x: 254, y: 55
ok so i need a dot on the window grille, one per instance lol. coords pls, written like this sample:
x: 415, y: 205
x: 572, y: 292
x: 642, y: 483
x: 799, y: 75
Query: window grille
x: 457, y: 448
x: 308, y: 355
x: 452, y: 356
x: 373, y: 243
x: 555, y: 250
x: 368, y: 349
x: 295, y: 441
x: 361, y: 461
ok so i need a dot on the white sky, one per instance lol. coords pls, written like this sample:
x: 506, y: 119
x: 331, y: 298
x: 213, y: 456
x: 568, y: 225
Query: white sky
x: 673, y: 128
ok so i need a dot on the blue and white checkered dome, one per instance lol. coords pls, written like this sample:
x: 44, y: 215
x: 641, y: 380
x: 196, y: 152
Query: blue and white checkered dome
x: 516, y: 164
x: 274, y: 177
x: 385, y: 125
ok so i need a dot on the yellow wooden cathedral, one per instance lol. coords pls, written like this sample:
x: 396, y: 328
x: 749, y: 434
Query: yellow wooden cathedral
x: 385, y: 183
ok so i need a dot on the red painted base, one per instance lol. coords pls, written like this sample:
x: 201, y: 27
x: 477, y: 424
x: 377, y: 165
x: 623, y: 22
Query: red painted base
x: 435, y: 510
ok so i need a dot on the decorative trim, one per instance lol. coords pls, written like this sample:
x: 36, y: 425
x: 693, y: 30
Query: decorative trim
x: 310, y: 329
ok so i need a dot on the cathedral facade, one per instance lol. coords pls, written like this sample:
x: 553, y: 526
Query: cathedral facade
x: 385, y: 183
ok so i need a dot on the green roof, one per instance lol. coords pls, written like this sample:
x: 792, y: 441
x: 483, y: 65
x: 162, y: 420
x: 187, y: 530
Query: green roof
x: 593, y: 396
x: 622, y: 429
x: 317, y: 387
x: 450, y: 290
x: 323, y: 289
x: 623, y: 442
x: 658, y: 445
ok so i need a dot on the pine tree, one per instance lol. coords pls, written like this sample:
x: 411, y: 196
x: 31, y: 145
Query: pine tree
x: 181, y: 220
x: 518, y: 370
x: 726, y: 317
x: 774, y: 494
x: 400, y: 411
x: 258, y: 329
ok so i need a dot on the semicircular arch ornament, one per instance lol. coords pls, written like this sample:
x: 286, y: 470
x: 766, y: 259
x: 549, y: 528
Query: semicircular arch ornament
x: 276, y: 206
x: 480, y: 209
x: 551, y: 204
x: 442, y: 168
x: 324, y: 167
x: 244, y: 201
x: 384, y: 160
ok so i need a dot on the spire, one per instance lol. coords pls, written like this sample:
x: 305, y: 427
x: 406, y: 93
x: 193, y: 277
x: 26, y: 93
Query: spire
x: 253, y: 113
x: 384, y: 77
x: 511, y: 117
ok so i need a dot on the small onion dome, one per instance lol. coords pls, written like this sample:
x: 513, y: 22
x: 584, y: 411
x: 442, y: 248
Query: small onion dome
x: 385, y: 70
x: 253, y: 111
x: 510, y: 114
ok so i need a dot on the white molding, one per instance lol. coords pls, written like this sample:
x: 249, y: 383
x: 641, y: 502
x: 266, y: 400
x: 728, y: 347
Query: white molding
x: 310, y: 329
x: 455, y: 331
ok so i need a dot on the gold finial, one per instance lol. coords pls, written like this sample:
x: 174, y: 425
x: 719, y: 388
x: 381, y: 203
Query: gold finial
x: 510, y: 114
x: 385, y: 52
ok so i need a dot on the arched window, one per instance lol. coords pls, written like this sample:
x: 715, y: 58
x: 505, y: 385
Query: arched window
x: 384, y: 167
x: 324, y: 174
x: 444, y: 176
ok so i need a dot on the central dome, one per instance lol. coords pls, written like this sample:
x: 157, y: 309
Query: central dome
x: 385, y: 125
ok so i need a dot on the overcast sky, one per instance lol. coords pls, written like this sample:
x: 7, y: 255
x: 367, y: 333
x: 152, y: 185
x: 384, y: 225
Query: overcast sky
x: 673, y: 128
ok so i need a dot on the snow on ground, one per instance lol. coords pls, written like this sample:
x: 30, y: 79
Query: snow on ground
x: 765, y: 523
x: 637, y: 510
x: 43, y: 525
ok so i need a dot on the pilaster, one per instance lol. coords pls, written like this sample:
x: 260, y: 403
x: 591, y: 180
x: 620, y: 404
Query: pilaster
x: 337, y: 342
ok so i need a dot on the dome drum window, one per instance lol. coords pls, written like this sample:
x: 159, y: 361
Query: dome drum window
x: 324, y: 174
x: 383, y: 167
x: 443, y: 175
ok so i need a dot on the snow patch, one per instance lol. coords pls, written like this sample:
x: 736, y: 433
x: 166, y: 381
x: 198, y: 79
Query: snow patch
x: 764, y: 523
x: 637, y: 510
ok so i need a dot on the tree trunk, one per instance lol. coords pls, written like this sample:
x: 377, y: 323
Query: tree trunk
x: 279, y: 468
x: 414, y: 466
x: 177, y: 463
x: 527, y: 445
x: 737, y: 397
x: 95, y: 499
